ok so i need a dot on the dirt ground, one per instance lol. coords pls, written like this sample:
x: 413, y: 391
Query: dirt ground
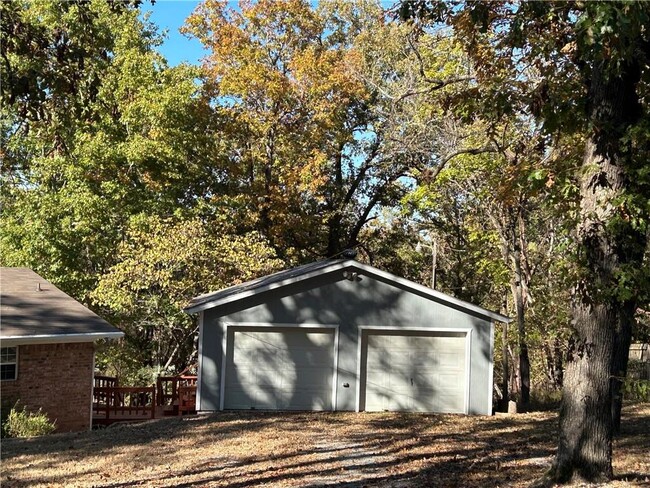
x: 314, y: 449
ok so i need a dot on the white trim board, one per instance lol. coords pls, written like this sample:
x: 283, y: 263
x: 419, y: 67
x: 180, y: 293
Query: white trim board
x: 270, y: 325
x: 199, y: 366
x: 491, y: 371
x: 8, y: 341
x: 467, y: 331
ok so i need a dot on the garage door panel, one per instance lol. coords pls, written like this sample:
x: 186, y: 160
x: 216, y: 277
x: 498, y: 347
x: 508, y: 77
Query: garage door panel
x: 269, y: 378
x: 316, y: 401
x: 451, y: 403
x: 302, y: 338
x: 385, y: 400
x: 268, y: 397
x: 452, y: 380
x: 308, y: 379
x: 311, y: 357
x: 398, y: 381
x: 426, y: 381
x: 415, y: 371
x: 238, y: 375
x: 398, y: 358
x: 424, y: 357
x: 279, y: 369
x: 452, y: 360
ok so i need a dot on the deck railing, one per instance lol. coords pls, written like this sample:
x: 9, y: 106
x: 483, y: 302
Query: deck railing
x: 176, y: 394
x: 102, y: 381
x: 172, y: 395
x: 122, y: 403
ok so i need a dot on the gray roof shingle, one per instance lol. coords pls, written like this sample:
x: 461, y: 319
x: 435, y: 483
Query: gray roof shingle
x: 33, y: 308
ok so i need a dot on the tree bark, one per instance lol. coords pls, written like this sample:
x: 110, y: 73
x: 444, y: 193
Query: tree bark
x: 520, y: 308
x: 600, y: 315
x: 554, y: 363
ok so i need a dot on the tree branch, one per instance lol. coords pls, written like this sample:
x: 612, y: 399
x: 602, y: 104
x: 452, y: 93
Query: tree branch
x: 473, y: 151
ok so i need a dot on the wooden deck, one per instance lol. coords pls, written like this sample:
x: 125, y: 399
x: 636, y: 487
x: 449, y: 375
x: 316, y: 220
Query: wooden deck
x: 172, y: 395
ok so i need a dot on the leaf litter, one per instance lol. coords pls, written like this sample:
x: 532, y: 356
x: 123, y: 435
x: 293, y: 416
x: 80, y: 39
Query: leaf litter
x: 298, y: 449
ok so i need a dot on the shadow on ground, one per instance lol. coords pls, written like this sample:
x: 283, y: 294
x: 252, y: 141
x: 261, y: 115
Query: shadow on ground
x: 312, y: 449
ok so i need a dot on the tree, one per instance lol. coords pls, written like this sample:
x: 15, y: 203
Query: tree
x: 161, y: 265
x: 498, y: 213
x: 592, y: 59
x: 102, y: 139
x: 95, y: 129
x: 324, y: 110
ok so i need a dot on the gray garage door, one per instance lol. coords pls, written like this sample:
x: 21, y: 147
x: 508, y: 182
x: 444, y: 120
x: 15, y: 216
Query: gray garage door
x: 279, y: 369
x: 416, y: 372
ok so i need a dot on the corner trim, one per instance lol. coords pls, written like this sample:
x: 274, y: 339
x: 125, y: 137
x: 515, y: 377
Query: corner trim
x: 200, y: 363
x: 491, y: 372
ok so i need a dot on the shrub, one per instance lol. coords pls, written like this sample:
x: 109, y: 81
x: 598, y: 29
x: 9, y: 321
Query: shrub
x: 637, y: 384
x: 636, y: 390
x: 22, y: 423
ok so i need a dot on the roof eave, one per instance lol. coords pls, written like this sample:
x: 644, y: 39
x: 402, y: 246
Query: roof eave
x: 199, y: 307
x: 59, y: 338
x: 443, y: 297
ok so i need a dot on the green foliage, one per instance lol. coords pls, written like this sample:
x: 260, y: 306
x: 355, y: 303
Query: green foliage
x: 103, y: 132
x: 135, y: 186
x: 23, y: 423
x: 636, y: 390
x: 161, y: 265
x: 391, y: 243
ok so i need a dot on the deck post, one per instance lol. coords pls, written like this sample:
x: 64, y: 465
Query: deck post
x: 153, y: 402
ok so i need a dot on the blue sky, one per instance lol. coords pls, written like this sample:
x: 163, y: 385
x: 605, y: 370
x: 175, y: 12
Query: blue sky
x: 170, y: 15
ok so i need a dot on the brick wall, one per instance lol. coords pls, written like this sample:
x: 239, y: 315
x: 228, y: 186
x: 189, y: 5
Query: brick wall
x: 57, y: 378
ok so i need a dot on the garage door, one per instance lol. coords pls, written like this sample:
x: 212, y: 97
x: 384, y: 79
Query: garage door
x: 279, y: 369
x: 416, y: 372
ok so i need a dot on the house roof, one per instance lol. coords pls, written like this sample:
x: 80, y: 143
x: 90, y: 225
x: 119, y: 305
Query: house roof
x: 302, y: 273
x: 33, y: 310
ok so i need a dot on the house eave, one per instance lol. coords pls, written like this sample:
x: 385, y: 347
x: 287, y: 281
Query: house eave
x: 262, y: 289
x: 436, y: 295
x: 58, y: 338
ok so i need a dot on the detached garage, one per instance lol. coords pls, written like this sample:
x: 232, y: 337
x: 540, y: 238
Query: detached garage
x: 341, y: 335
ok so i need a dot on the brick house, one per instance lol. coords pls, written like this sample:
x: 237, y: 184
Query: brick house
x: 47, y: 349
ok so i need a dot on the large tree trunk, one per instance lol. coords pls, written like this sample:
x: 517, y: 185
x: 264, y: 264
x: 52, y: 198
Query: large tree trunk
x: 609, y: 245
x: 585, y: 446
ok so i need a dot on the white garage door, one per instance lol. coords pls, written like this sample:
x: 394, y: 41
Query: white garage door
x: 423, y: 373
x: 279, y: 369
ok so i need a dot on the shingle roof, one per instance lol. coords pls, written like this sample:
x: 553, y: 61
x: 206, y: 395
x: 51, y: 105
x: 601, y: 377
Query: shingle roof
x: 301, y: 273
x: 33, y: 309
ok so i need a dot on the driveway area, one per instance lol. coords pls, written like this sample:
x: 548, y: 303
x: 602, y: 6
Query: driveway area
x: 313, y: 449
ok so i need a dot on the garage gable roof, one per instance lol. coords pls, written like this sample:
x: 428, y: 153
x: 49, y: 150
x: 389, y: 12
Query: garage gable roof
x: 312, y: 270
x: 33, y: 310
